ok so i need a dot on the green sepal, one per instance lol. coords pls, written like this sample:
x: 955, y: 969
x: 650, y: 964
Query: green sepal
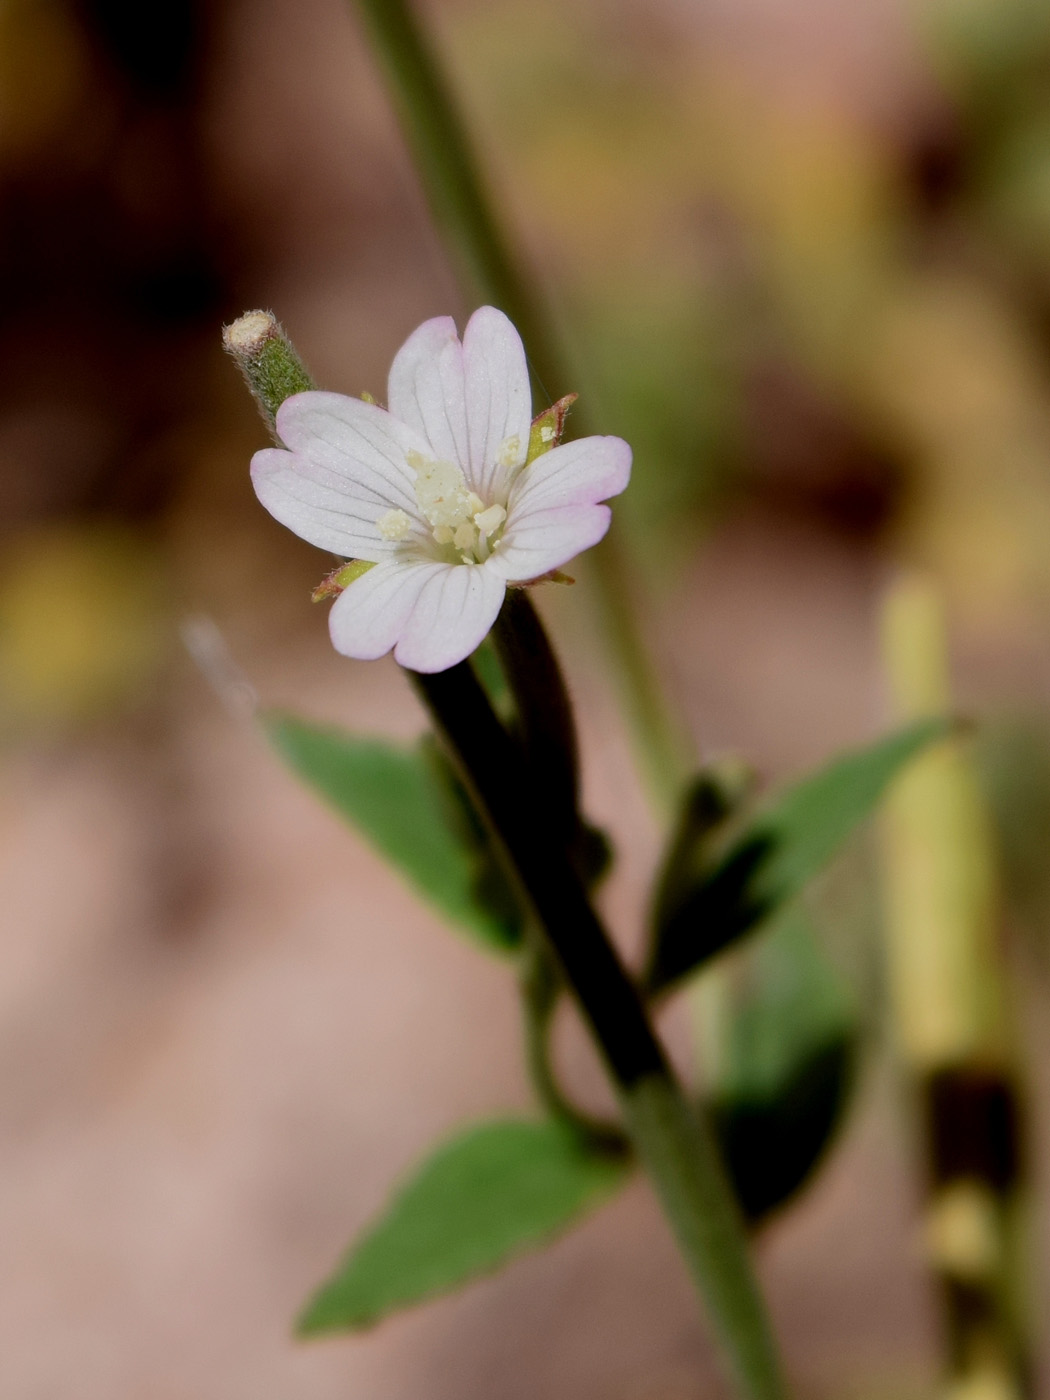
x: 548, y: 427
x: 342, y: 577
x: 482, y: 1198
x: 397, y: 797
x: 775, y: 856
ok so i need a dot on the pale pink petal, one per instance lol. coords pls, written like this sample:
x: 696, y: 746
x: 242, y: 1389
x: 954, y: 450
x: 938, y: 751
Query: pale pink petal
x: 451, y: 616
x: 426, y: 390
x: 347, y: 468
x: 356, y: 442
x: 319, y: 507
x: 368, y: 617
x: 576, y: 473
x: 498, y: 399
x: 536, y: 541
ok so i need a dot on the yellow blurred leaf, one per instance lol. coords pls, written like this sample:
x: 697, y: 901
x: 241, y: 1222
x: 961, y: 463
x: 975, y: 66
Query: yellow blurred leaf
x: 80, y: 623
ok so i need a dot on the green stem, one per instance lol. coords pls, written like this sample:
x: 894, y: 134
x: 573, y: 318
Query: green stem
x: 673, y: 1142
x: 448, y: 168
x: 540, y: 989
x: 452, y: 180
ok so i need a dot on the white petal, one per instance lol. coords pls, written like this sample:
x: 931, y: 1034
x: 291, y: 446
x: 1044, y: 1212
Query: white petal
x: 576, y: 473
x: 426, y: 390
x: 498, y: 398
x: 348, y: 468
x: 357, y: 442
x: 368, y: 617
x: 554, y: 511
x: 539, y: 540
x: 451, y: 616
x: 324, y: 515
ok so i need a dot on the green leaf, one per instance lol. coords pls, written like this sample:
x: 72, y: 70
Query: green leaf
x: 498, y: 1189
x: 778, y: 854
x: 398, y: 798
x: 788, y: 1067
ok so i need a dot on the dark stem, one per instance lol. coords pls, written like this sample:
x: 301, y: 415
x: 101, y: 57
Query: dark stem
x: 673, y: 1141
x: 492, y: 766
x: 545, y: 725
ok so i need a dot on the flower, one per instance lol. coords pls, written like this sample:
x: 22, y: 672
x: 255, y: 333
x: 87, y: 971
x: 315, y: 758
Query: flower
x: 436, y: 492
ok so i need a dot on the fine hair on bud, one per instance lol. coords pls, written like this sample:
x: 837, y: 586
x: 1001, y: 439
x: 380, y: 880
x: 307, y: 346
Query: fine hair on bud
x: 270, y: 363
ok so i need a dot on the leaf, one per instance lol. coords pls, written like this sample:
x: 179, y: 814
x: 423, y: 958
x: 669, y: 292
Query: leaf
x: 788, y: 1068
x: 396, y: 797
x: 778, y: 854
x: 498, y: 1189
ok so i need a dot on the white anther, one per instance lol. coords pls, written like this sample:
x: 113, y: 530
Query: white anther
x: 394, y: 525
x: 489, y: 520
x: 509, y: 451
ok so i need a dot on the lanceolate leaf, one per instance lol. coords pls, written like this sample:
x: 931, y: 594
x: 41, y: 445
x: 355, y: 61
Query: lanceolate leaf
x: 495, y: 1191
x: 778, y: 854
x: 397, y: 798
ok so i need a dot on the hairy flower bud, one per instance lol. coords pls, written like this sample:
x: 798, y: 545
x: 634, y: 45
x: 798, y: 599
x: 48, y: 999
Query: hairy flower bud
x: 268, y: 360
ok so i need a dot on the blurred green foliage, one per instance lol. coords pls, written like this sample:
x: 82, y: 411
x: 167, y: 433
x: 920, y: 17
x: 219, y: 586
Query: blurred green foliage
x: 768, y: 861
x: 787, y: 1065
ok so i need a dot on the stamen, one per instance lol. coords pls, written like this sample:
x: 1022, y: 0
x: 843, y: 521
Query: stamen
x: 394, y: 525
x: 509, y: 451
x: 489, y: 520
x: 456, y: 514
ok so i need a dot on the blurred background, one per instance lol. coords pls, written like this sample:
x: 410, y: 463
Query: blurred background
x: 802, y: 256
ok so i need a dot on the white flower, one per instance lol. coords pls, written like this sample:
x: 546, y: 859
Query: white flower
x: 435, y: 492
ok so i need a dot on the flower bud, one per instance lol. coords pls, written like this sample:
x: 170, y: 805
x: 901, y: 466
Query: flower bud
x: 268, y: 360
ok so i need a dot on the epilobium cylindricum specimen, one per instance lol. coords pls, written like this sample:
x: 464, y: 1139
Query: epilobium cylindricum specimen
x: 436, y: 495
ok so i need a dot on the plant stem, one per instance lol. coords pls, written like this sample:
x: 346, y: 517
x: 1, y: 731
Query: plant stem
x: 546, y: 727
x: 449, y: 171
x: 673, y: 1142
x: 452, y: 180
x: 953, y: 1018
x: 541, y: 986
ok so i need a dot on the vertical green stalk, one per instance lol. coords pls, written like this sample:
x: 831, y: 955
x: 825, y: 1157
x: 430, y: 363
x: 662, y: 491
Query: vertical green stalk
x: 951, y: 1021
x: 452, y: 180
x: 674, y: 1143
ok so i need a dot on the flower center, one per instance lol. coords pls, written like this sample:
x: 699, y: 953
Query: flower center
x: 458, y: 518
